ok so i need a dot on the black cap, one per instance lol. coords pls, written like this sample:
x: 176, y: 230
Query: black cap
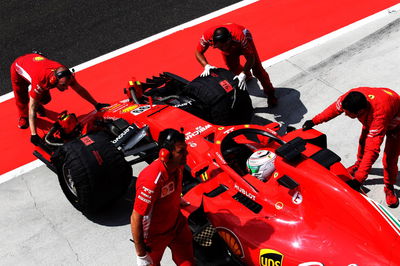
x: 221, y: 35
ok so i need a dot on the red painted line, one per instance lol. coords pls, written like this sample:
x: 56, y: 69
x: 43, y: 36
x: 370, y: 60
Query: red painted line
x: 277, y: 26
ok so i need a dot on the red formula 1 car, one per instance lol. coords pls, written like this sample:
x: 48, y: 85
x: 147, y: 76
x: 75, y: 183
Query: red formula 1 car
x: 303, y: 213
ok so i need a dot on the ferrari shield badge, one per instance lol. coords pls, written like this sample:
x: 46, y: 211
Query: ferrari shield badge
x: 270, y: 257
x: 297, y: 198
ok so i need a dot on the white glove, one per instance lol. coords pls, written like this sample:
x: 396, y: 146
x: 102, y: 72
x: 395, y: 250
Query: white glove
x: 242, y: 80
x: 144, y: 260
x: 206, y: 71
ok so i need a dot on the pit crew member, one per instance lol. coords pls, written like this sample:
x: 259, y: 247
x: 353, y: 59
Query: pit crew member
x: 378, y: 109
x: 234, y: 40
x: 39, y: 74
x: 156, y: 220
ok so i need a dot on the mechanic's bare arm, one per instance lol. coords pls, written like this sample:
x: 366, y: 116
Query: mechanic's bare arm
x: 33, y: 104
x: 137, y: 233
x: 82, y: 92
x: 250, y: 59
x: 201, y: 58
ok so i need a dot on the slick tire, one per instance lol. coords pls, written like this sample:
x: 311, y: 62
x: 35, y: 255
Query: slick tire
x: 216, y: 93
x: 92, y: 173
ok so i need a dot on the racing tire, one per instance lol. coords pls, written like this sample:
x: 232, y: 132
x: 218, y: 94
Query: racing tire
x: 92, y: 173
x: 220, y: 97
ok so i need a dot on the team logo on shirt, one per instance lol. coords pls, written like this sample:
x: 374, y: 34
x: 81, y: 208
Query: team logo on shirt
x: 167, y: 189
x: 38, y: 58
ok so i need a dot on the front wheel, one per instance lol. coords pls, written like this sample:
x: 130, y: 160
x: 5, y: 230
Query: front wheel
x: 92, y: 172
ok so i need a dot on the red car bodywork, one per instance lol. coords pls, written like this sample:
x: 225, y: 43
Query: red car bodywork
x: 321, y: 220
x: 318, y: 218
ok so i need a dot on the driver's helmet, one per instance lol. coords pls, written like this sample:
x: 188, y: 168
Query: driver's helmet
x: 68, y: 122
x: 261, y: 164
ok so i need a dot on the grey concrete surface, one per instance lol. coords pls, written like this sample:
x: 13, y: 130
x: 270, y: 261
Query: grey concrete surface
x: 40, y: 227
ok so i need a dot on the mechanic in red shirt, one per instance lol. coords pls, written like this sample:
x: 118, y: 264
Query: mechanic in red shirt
x: 378, y: 110
x: 157, y: 221
x: 234, y: 40
x: 40, y: 74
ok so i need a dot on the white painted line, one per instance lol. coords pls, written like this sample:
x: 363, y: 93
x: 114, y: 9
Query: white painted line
x: 28, y: 167
x: 20, y: 171
x: 220, y: 12
x: 150, y: 39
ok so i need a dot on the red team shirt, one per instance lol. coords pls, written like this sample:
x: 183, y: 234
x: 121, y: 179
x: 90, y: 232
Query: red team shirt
x: 37, y: 70
x: 382, y: 115
x: 240, y: 38
x: 158, y: 198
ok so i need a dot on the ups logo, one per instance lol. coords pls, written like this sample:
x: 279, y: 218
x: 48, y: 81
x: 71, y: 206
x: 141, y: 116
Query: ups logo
x: 270, y: 257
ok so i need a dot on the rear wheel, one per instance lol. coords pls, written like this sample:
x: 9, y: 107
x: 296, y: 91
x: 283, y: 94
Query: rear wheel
x: 221, y: 99
x: 92, y: 172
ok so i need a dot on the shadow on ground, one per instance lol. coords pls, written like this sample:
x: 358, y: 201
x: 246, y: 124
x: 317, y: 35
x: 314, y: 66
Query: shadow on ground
x: 289, y: 111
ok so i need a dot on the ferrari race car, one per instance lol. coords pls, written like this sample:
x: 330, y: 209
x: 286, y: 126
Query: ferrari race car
x: 302, y: 213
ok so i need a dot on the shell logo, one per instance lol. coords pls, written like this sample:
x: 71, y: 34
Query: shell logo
x: 279, y: 205
x: 371, y: 96
x: 38, y: 58
x: 232, y: 241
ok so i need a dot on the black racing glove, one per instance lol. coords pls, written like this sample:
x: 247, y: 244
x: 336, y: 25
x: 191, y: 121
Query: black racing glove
x: 354, y: 184
x: 99, y: 106
x: 309, y: 124
x: 36, y: 140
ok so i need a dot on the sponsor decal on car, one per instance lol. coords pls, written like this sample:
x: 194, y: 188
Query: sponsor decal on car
x: 183, y: 104
x: 140, y: 109
x: 198, y: 130
x: 129, y: 108
x: 229, y: 130
x: 270, y: 257
x: 120, y: 136
x: 245, y: 192
x: 279, y: 205
x: 111, y: 118
x: 117, y: 107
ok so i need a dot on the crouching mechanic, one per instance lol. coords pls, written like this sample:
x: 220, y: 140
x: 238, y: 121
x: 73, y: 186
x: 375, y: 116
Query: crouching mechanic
x: 378, y: 110
x: 234, y: 40
x: 40, y: 74
x: 157, y: 221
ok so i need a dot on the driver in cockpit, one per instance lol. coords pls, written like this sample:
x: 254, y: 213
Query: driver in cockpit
x: 261, y: 164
